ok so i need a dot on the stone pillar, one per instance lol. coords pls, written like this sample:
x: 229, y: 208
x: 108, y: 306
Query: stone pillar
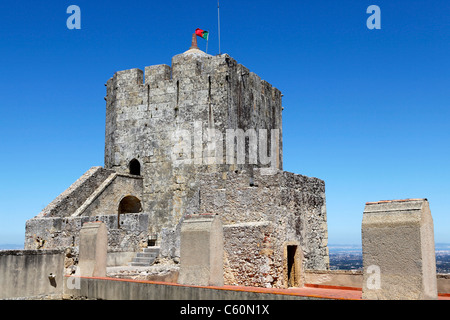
x: 93, y: 249
x: 201, y: 251
x: 398, y: 251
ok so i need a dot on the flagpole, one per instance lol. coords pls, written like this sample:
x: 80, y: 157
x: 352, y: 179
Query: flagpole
x: 218, y: 20
x: 207, y: 40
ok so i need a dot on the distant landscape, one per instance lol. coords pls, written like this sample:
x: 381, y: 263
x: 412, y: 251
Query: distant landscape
x: 343, y: 257
x: 11, y: 246
x: 349, y: 257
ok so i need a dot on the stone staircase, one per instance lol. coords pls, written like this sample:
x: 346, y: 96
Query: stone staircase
x: 145, y: 258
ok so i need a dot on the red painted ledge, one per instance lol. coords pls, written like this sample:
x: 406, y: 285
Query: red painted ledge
x: 308, y: 290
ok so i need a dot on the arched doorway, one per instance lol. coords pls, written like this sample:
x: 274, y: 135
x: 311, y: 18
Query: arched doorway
x: 135, y: 167
x: 129, y: 204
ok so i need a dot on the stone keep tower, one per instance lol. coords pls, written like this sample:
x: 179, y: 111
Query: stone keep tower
x: 146, y: 113
x: 202, y: 136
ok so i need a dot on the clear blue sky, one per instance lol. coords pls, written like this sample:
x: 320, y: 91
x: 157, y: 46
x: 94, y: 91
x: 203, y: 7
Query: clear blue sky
x: 365, y: 110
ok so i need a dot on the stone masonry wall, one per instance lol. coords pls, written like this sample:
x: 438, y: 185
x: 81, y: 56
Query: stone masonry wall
x: 24, y: 274
x: 294, y: 204
x: 95, y: 196
x: 63, y: 232
x: 108, y: 199
x: 251, y: 257
x: 262, y: 214
x: 197, y: 92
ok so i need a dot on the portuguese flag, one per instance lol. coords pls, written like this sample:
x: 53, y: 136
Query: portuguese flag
x: 202, y: 34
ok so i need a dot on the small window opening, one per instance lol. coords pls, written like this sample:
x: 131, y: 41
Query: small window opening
x: 152, y: 240
x: 135, y: 167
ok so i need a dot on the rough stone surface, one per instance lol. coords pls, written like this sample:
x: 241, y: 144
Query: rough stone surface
x: 251, y: 256
x: 398, y: 250
x: 60, y: 233
x: 107, y: 197
x: 159, y: 273
x: 259, y: 222
x: 201, y: 252
x: 31, y: 274
x: 93, y: 250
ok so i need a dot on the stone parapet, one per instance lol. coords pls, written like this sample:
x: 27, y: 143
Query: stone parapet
x: 398, y: 250
x: 201, y: 252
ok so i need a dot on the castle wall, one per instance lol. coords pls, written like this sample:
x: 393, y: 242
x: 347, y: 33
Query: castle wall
x: 24, y: 274
x: 95, y: 196
x: 262, y: 215
x: 107, y: 200
x: 146, y: 112
x: 63, y: 232
x: 293, y: 204
x: 251, y: 255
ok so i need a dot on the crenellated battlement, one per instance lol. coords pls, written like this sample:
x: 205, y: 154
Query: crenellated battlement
x: 156, y: 74
x: 205, y: 69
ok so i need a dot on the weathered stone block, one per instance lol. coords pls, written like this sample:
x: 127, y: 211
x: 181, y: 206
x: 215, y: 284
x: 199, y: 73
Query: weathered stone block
x: 157, y: 73
x: 201, y: 251
x: 93, y: 249
x: 398, y: 250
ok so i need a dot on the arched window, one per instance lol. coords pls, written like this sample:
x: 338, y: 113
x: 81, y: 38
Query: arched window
x: 129, y: 204
x: 135, y: 167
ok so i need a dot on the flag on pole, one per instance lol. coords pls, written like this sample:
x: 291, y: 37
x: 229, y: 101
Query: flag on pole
x: 202, y: 34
